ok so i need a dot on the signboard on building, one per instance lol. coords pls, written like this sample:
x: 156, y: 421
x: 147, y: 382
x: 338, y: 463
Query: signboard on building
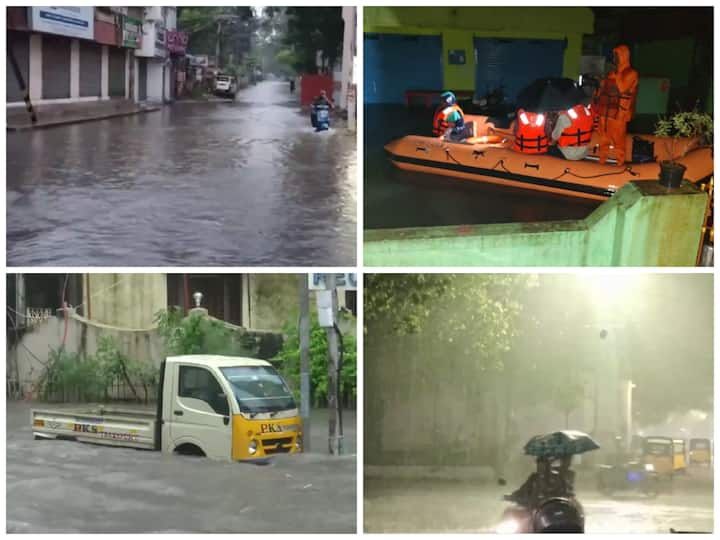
x: 131, y: 32
x: 317, y: 282
x: 176, y: 41
x: 73, y: 21
x: 159, y: 39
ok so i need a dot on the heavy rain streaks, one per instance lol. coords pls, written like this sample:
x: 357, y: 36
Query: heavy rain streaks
x: 465, y: 369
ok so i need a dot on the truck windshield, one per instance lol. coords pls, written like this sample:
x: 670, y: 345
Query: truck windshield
x: 259, y: 389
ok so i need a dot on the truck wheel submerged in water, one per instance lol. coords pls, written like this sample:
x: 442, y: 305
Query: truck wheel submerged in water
x: 188, y: 449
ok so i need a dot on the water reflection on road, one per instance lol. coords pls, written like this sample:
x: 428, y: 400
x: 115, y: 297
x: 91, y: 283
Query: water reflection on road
x: 244, y: 183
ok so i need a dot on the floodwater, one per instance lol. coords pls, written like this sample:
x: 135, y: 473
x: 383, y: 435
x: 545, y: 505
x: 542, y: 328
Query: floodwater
x: 196, y: 184
x: 443, y: 506
x: 395, y: 198
x: 70, y: 487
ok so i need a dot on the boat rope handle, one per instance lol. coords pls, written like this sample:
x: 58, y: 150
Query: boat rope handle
x: 535, y: 166
x: 568, y: 171
x: 478, y: 153
x: 421, y: 149
x: 502, y: 164
x: 449, y: 156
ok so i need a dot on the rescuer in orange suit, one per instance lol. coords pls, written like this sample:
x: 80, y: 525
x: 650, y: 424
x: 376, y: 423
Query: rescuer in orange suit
x: 614, y: 105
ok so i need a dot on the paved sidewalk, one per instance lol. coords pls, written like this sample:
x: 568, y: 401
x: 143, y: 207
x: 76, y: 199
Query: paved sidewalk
x: 50, y: 115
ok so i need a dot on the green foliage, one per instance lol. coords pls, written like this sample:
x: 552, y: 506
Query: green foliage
x: 685, y: 124
x: 72, y: 376
x: 473, y: 314
x: 309, y: 30
x: 207, y: 26
x: 198, y: 334
x: 288, y: 362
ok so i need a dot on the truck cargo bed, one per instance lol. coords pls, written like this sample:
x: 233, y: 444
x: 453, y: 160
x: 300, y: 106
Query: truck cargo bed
x: 133, y: 428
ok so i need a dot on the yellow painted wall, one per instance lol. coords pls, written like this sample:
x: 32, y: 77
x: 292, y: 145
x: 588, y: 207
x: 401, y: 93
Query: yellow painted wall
x: 458, y: 27
x: 124, y: 300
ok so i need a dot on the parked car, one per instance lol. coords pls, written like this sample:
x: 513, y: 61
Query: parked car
x: 226, y: 86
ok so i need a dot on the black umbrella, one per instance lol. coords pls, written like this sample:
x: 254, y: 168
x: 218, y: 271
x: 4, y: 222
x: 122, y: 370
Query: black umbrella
x: 551, y: 94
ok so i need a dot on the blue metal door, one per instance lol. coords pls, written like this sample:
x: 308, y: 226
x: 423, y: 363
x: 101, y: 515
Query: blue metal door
x: 515, y: 63
x: 396, y: 63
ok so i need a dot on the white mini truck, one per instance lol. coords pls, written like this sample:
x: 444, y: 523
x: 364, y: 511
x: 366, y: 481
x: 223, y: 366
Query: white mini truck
x: 226, y: 408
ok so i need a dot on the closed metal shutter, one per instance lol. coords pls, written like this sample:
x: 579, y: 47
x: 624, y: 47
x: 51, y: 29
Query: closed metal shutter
x: 117, y: 72
x: 142, y: 78
x: 55, y: 67
x: 19, y: 42
x: 90, y: 69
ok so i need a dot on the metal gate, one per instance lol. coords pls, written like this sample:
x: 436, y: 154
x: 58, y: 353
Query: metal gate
x: 90, y: 69
x: 55, y: 67
x: 117, y: 72
x: 142, y: 79
x: 394, y: 64
x: 19, y: 43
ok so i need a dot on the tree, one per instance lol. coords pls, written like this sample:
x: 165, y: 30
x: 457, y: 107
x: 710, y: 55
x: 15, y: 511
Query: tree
x: 310, y: 30
x: 224, y: 32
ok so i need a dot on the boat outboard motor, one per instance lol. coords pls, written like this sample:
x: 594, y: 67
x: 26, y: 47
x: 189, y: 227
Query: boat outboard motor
x: 320, y: 116
x: 559, y: 515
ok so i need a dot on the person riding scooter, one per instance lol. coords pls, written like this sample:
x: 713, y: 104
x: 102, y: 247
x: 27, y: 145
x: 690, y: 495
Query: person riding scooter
x: 553, y: 478
x: 320, y: 111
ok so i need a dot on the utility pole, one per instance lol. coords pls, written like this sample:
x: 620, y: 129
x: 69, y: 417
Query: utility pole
x: 304, y: 331
x: 334, y: 413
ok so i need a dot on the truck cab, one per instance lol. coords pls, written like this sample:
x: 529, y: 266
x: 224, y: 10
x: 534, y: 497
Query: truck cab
x: 227, y: 408
x: 223, y: 407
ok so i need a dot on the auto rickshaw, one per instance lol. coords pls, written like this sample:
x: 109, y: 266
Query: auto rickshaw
x: 659, y: 452
x: 700, y: 452
x: 679, y: 453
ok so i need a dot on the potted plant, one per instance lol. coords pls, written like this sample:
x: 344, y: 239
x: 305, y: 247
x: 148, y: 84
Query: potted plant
x: 683, y: 131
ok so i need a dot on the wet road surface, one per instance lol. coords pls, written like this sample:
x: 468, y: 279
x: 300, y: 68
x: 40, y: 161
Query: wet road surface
x: 244, y: 183
x: 460, y: 507
x: 394, y: 198
x: 70, y: 487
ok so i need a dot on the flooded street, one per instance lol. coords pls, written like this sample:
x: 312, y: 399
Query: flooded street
x: 197, y: 184
x: 69, y: 487
x: 395, y: 198
x: 466, y: 507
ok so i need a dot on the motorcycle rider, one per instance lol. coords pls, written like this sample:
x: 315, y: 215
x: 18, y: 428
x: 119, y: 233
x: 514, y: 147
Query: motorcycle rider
x: 552, y: 478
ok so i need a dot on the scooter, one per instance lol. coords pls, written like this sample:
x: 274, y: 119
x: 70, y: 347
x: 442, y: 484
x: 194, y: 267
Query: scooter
x: 557, y: 514
x: 320, y: 117
x: 630, y: 476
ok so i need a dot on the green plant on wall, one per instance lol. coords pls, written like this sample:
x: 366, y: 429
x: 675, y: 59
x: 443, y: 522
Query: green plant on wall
x: 199, y: 334
x: 288, y: 362
x: 72, y: 376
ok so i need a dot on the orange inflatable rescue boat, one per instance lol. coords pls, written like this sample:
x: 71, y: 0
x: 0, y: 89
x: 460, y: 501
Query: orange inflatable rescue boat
x: 489, y: 157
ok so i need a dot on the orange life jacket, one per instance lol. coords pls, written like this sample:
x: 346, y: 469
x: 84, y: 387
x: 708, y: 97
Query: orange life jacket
x: 580, y: 131
x: 440, y: 123
x: 530, y: 136
x: 608, y: 101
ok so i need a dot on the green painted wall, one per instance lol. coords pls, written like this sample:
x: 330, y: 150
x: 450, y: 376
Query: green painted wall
x: 642, y: 225
x: 458, y: 26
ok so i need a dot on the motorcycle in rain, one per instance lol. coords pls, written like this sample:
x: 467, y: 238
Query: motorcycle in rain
x: 546, y: 501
